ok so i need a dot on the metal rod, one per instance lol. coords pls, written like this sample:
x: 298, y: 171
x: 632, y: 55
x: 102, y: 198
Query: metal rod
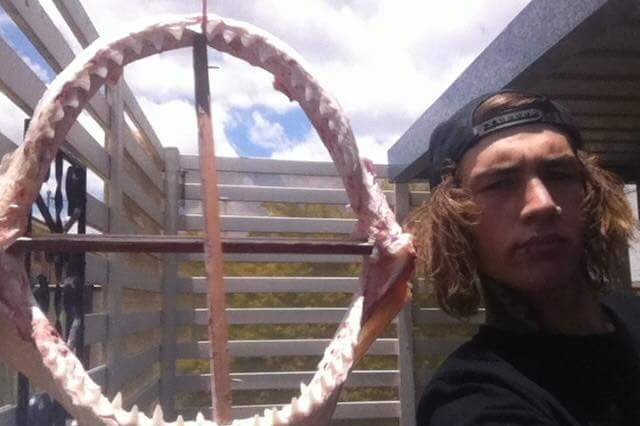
x: 218, y: 324
x: 80, y: 243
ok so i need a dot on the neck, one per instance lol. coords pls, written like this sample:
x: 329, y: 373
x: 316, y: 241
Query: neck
x: 570, y: 309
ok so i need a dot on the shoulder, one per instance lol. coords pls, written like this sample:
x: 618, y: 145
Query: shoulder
x: 476, y: 385
x: 624, y: 303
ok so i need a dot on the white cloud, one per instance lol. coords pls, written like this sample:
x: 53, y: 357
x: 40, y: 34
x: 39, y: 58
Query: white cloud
x: 385, y: 61
x: 309, y: 149
x: 266, y: 133
x: 175, y: 121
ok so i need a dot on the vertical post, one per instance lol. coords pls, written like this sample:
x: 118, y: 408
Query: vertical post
x: 23, y: 381
x: 115, y: 148
x: 407, y: 391
x: 218, y: 325
x: 168, y: 353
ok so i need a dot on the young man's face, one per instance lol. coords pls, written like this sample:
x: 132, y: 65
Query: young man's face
x: 518, y: 178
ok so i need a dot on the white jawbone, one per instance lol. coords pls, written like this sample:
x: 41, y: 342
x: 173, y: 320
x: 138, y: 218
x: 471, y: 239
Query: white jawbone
x: 29, y: 342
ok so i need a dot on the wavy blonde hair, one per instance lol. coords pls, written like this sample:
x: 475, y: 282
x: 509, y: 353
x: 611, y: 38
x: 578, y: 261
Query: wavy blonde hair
x: 443, y: 239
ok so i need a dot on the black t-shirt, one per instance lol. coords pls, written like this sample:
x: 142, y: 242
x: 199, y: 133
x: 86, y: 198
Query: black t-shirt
x: 509, y: 378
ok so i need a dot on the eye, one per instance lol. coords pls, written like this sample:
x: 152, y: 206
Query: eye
x: 497, y: 184
x: 562, y: 175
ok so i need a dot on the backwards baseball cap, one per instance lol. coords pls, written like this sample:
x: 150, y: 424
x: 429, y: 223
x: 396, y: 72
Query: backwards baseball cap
x: 453, y: 137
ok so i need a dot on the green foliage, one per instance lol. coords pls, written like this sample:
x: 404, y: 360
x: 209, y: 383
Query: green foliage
x: 308, y: 210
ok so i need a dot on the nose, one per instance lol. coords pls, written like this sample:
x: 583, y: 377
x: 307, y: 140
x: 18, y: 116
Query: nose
x: 538, y: 202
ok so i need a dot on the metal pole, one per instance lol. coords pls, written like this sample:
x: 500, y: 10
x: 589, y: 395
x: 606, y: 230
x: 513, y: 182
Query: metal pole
x: 218, y: 324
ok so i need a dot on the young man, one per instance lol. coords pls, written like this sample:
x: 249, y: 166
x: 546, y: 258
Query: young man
x: 520, y: 219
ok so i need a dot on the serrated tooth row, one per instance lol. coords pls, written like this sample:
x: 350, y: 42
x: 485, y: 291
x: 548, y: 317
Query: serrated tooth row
x: 156, y: 38
x: 247, y: 39
x: 327, y: 380
x: 127, y: 418
x: 71, y: 99
x: 101, y: 71
x: 228, y: 35
x: 176, y: 32
x: 116, y: 56
x: 135, y: 44
x: 212, y: 27
x: 264, y: 53
x: 82, y: 81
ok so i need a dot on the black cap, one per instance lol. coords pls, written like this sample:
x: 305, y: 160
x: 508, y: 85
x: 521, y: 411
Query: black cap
x: 453, y: 137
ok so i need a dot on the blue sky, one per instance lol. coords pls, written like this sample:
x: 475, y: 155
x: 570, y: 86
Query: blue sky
x: 384, y: 60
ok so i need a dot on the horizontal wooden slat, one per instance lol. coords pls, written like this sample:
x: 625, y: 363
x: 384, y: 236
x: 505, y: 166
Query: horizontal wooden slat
x: 182, y: 243
x: 78, y: 20
x: 278, y: 194
x: 273, y: 284
x: 96, y: 269
x: 279, y: 347
x: 272, y: 224
x: 137, y: 115
x: 6, y: 145
x: 270, y: 166
x: 99, y: 375
x: 8, y: 415
x: 22, y: 86
x: 285, y: 380
x: 97, y: 213
x: 283, y: 194
x: 141, y: 197
x: 344, y: 410
x: 142, y: 160
x: 45, y: 36
x: 132, y: 366
x: 95, y: 328
x: 135, y: 322
x: 438, y: 316
x: 277, y: 258
x: 430, y: 347
x: 128, y: 276
x: 267, y: 316
x: 82, y: 27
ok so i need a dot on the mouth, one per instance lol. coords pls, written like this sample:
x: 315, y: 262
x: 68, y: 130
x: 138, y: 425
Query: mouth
x: 542, y: 244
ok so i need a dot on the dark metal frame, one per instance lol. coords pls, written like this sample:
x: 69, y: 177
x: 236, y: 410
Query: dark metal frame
x: 69, y: 295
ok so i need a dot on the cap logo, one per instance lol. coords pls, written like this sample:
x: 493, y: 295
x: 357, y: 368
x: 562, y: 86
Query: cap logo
x: 509, y: 119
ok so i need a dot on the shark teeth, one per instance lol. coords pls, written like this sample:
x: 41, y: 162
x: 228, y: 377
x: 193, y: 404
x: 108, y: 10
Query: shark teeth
x: 228, y: 35
x: 264, y: 53
x: 116, y: 56
x: 247, y: 39
x: 200, y: 420
x: 71, y: 100
x: 101, y: 71
x: 156, y: 38
x: 135, y: 44
x: 212, y: 27
x: 117, y: 401
x: 57, y: 113
x: 83, y: 81
x: 179, y: 421
x: 105, y: 409
x: 176, y: 32
x: 158, y: 417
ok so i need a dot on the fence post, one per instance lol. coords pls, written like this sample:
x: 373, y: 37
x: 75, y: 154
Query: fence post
x: 168, y: 351
x: 115, y: 148
x: 407, y: 391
